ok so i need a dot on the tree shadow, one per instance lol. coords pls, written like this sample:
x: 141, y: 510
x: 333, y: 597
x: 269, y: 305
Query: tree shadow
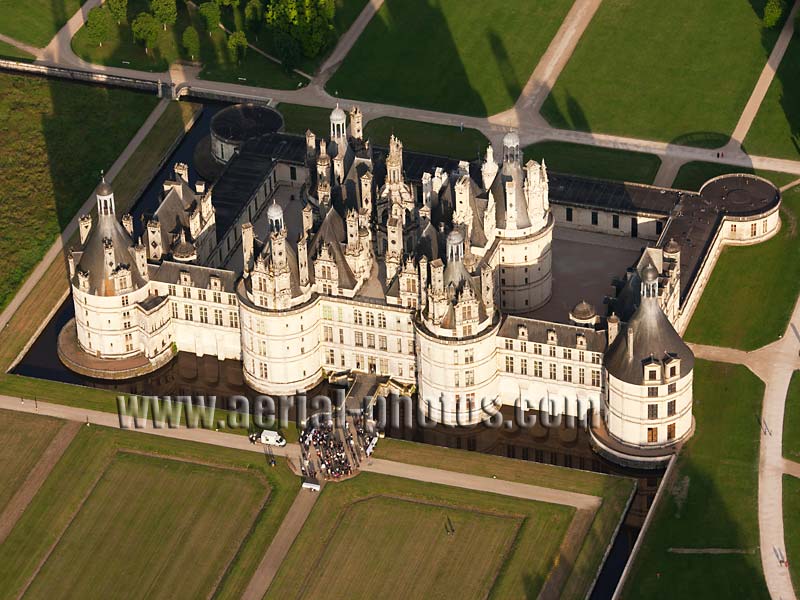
x: 574, y: 118
x: 512, y: 84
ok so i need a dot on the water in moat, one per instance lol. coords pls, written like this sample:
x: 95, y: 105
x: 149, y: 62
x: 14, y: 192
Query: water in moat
x: 190, y: 375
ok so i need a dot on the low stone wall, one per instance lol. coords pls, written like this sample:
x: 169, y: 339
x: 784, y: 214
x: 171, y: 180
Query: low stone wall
x: 143, y: 85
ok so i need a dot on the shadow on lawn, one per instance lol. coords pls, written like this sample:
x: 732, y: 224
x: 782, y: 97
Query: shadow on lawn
x: 575, y: 117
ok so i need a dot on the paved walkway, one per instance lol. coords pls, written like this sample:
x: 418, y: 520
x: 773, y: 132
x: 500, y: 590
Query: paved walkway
x: 279, y: 547
x: 36, y: 52
x: 774, y: 364
x: 791, y: 468
x: 57, y: 248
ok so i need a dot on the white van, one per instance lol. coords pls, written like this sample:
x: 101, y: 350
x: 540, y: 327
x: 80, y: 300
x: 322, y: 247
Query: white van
x: 272, y: 438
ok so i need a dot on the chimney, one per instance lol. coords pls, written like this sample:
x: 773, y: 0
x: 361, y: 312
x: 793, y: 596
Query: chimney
x: 311, y: 144
x: 247, y: 244
x: 85, y: 225
x: 200, y: 186
x: 182, y: 171
x: 613, y: 328
x: 127, y: 223
x: 71, y: 263
x: 630, y: 342
x: 140, y: 254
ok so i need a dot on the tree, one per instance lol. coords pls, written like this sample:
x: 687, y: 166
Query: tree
x: 99, y: 25
x: 210, y: 13
x: 232, y: 3
x: 145, y: 29
x: 253, y: 12
x: 287, y: 50
x: 119, y: 9
x: 166, y: 11
x: 309, y: 22
x: 191, y: 41
x: 773, y: 11
x: 237, y: 44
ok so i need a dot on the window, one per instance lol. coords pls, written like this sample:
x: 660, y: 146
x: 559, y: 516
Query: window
x: 381, y: 320
x: 523, y: 366
x: 201, y: 294
x: 327, y: 313
x: 509, y: 364
x: 359, y: 339
x: 537, y: 368
x: 509, y: 344
x: 596, y: 378
x: 203, y: 314
x: 370, y: 320
x: 217, y: 297
x: 615, y: 221
x: 341, y: 335
x: 673, y: 371
x: 569, y: 214
x: 124, y: 301
x: 652, y: 411
x: 652, y: 392
x: 753, y: 229
x: 594, y: 217
x: 733, y: 227
x: 263, y: 370
x: 232, y: 299
x: 553, y: 351
x: 187, y: 312
x: 652, y: 434
x: 187, y: 292
x: 672, y: 388
x: 581, y: 376
x: 327, y: 334
x: 659, y: 227
x: 456, y: 380
x: 671, y: 431
x: 370, y: 340
x: 174, y: 311
x: 523, y: 346
x: 469, y: 356
x: 233, y: 319
x: 581, y: 356
x: 171, y: 290
x: 293, y: 173
x: 218, y: 317
x: 383, y: 365
x: 671, y: 408
x: 128, y: 342
x: 595, y: 359
x: 553, y: 371
x: 357, y: 318
x: 567, y: 353
x: 652, y: 375
x: 567, y: 373
x: 469, y: 377
x: 537, y: 348
x: 330, y: 356
x: 764, y: 226
x: 383, y: 343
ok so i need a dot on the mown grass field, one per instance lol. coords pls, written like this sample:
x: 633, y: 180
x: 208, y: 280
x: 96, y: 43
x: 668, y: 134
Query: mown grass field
x: 592, y: 161
x: 428, y: 138
x: 402, y: 549
x: 791, y: 526
x: 443, y: 55
x: 679, y: 71
x: 712, y: 501
x: 614, y: 491
x: 776, y: 129
x: 123, y: 524
x: 35, y: 22
x: 791, y: 421
x: 739, y: 281
x: 50, y: 161
x: 413, y: 541
x: 23, y: 438
x: 12, y: 52
x: 298, y: 118
x: 693, y: 175
x: 120, y: 50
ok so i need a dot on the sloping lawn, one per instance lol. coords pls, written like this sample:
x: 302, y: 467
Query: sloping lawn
x: 712, y: 501
x: 35, y: 21
x: 679, y: 71
x: 791, y: 421
x: 592, y: 161
x: 449, y: 56
x: 742, y: 278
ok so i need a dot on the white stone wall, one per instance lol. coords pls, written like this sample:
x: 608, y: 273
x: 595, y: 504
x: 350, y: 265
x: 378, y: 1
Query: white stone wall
x: 649, y: 227
x: 105, y: 322
x: 626, y: 411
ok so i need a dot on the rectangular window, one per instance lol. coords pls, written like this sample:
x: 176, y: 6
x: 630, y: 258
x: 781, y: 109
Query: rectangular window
x: 383, y: 365
x: 652, y: 435
x: 509, y: 364
x: 201, y: 294
x: 581, y: 376
x: 509, y: 344
x: 187, y: 292
x: 733, y: 227
x: 581, y: 356
x: 537, y: 348
x: 567, y: 373
x: 293, y: 173
x: 615, y: 221
x: 523, y: 366
x: 233, y: 319
x: 327, y: 334
x: 330, y: 357
x: 217, y: 297
x: 357, y: 318
x: 171, y: 289
x: 174, y: 311
x: 262, y: 347
x: 553, y: 371
x: 671, y: 408
x: 594, y: 217
x: 537, y: 368
x: 672, y: 388
x: 370, y: 340
x: 381, y: 320
x: 370, y: 319
x: 553, y: 351
x: 567, y: 353
x: 596, y: 378
x: 383, y: 344
x: 469, y: 356
x: 327, y: 313
x: 652, y: 411
x: 124, y: 301
x: 203, y: 314
x: 671, y: 431
x: 218, y: 317
x: 569, y: 214
x: 263, y: 369
x: 469, y: 377
x: 187, y: 312
x: 359, y: 339
x: 753, y: 229
x: 341, y: 335
x: 652, y: 392
x: 523, y: 346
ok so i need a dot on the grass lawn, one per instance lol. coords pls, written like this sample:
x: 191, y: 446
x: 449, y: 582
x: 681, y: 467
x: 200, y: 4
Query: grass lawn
x: 148, y: 515
x: 23, y: 438
x: 442, y: 55
x: 791, y: 421
x: 429, y: 138
x: 591, y: 161
x: 502, y: 546
x: 693, y: 175
x: 197, y: 524
x: 738, y: 282
x: 777, y: 124
x: 615, y: 492
x: 50, y: 160
x: 712, y: 501
x: 679, y: 71
x: 120, y: 50
x: 298, y: 118
x: 35, y: 21
x: 12, y: 52
x: 791, y: 525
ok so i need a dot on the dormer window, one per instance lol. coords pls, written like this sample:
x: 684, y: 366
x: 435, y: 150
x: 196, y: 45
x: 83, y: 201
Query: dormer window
x: 186, y: 278
x: 652, y: 371
x: 215, y: 282
x: 552, y: 338
x: 522, y: 332
x: 580, y: 342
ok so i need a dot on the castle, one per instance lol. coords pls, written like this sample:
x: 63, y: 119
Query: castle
x: 311, y: 256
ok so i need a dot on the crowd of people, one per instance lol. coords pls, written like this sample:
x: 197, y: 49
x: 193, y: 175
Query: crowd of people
x: 330, y: 451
